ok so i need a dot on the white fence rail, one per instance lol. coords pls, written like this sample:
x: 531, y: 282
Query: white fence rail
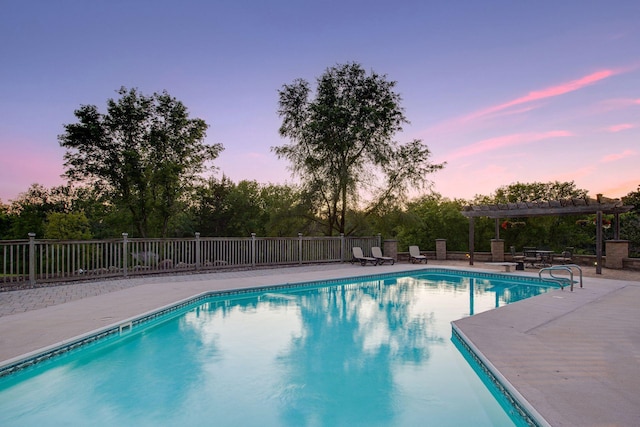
x: 27, y: 262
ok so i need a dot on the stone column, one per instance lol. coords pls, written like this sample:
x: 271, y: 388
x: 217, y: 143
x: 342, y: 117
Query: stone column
x: 616, y: 250
x: 441, y: 249
x: 390, y: 249
x: 497, y: 250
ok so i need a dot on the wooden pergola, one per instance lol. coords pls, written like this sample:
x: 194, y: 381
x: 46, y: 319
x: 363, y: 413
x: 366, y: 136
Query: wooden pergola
x: 600, y: 206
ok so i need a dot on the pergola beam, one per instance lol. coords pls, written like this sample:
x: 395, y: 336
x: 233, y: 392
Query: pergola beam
x: 501, y: 211
x: 601, y: 205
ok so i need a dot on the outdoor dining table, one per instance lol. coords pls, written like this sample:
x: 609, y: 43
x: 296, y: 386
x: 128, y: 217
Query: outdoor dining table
x: 537, y: 257
x: 545, y: 257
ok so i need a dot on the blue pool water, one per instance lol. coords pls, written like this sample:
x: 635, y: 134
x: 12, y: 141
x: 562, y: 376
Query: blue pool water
x: 372, y: 352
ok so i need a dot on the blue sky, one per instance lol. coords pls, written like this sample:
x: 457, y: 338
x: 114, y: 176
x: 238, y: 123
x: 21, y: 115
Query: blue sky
x: 503, y: 91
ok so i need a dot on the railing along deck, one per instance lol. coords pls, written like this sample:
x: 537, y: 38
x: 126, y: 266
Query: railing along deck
x: 27, y: 262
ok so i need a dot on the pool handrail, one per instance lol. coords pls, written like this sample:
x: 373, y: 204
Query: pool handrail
x: 561, y: 280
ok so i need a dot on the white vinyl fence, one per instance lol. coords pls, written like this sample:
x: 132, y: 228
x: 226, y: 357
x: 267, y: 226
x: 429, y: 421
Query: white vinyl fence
x: 39, y: 261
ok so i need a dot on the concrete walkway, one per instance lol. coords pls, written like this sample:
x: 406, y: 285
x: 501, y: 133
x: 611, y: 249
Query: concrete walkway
x: 575, y: 357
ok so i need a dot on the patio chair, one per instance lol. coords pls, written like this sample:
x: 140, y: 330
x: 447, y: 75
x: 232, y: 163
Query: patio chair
x: 415, y: 255
x: 376, y: 252
x: 516, y: 257
x: 566, y: 257
x: 530, y: 257
x: 358, y: 256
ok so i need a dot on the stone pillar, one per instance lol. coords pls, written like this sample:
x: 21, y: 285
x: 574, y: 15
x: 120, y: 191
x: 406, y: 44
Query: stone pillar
x: 441, y: 249
x: 616, y: 250
x: 497, y: 250
x: 390, y: 249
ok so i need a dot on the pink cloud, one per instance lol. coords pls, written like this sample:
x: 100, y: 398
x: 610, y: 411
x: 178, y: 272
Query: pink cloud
x: 618, y: 103
x: 618, y: 156
x: 492, y: 144
x: 549, y: 92
x: 619, y: 127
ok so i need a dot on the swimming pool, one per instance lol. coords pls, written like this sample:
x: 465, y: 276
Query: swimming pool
x: 373, y: 351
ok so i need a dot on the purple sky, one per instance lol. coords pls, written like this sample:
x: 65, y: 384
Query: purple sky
x: 504, y: 91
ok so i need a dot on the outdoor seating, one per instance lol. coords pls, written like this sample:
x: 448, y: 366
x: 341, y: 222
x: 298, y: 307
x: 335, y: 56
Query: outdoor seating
x: 545, y: 257
x: 530, y: 257
x: 415, y: 255
x: 377, y: 254
x: 515, y: 256
x: 358, y: 256
x: 566, y: 257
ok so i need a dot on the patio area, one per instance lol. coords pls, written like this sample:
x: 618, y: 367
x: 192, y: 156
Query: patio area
x: 574, y: 356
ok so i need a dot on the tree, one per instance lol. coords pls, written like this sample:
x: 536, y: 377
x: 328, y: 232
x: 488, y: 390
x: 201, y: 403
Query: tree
x: 341, y: 142
x: 67, y: 226
x: 554, y: 232
x: 145, y: 152
x: 534, y: 192
x: 633, y: 199
x: 287, y: 211
x: 433, y: 217
x: 5, y: 221
x: 223, y: 208
x: 28, y: 212
x: 630, y: 222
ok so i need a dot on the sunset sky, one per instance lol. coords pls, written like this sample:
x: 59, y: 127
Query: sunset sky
x: 503, y: 91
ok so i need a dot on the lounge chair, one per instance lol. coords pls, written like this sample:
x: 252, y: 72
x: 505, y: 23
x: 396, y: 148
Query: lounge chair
x: 377, y: 254
x: 358, y: 256
x: 415, y: 255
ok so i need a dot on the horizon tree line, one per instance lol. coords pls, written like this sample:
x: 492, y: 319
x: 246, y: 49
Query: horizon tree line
x: 143, y: 167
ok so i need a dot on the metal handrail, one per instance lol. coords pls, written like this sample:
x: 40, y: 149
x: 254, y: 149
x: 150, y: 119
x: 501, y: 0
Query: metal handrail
x: 561, y: 280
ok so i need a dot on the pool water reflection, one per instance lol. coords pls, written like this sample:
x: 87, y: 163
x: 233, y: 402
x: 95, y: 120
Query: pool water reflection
x: 375, y: 353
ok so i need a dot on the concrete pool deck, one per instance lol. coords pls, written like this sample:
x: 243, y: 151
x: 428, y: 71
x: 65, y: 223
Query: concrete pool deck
x: 574, y: 356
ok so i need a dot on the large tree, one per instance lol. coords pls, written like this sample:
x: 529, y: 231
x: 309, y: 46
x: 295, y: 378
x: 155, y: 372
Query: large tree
x: 341, y: 143
x: 145, y: 152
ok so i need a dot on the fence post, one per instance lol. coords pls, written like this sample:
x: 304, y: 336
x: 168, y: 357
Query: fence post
x: 124, y: 254
x: 197, y: 250
x: 341, y: 247
x: 253, y: 249
x: 300, y: 248
x: 379, y: 240
x: 32, y: 258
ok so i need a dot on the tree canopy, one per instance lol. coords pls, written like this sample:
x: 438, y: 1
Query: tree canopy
x: 341, y: 143
x: 144, y: 151
x: 533, y: 192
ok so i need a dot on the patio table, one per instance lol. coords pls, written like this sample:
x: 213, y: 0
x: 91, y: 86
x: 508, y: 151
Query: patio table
x: 545, y: 257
